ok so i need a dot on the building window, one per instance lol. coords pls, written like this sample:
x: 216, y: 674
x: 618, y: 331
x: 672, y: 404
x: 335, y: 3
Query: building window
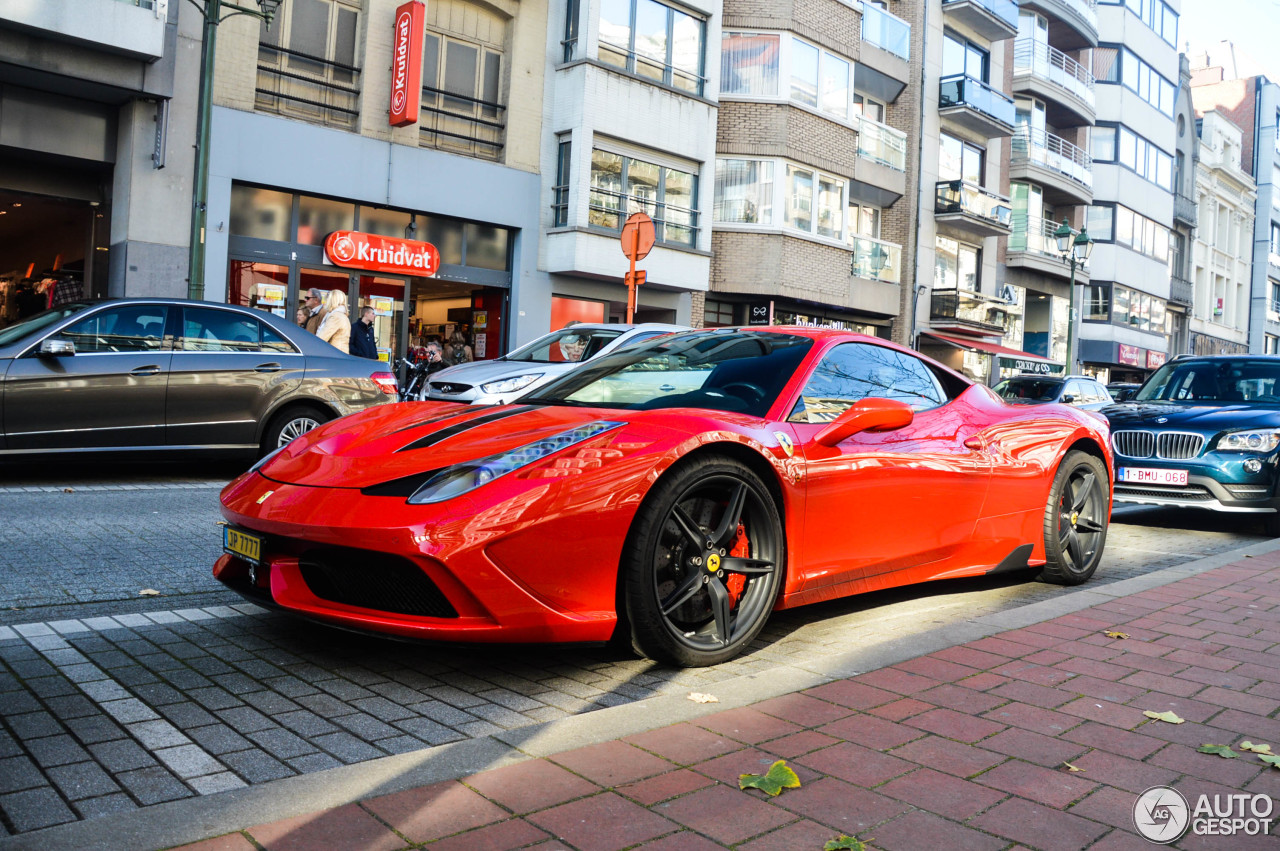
x: 809, y: 192
x: 1271, y: 344
x: 751, y: 65
x: 1119, y: 224
x: 717, y: 314
x: 560, y: 192
x: 653, y: 41
x: 1119, y: 144
x: 462, y: 100
x: 744, y: 191
x: 964, y: 57
x: 1135, y: 75
x: 1156, y: 14
x: 1098, y: 303
x: 1138, y: 310
x: 572, y: 13
x: 956, y: 265
x: 812, y: 202
x: 307, y: 63
x: 958, y: 160
x: 622, y: 185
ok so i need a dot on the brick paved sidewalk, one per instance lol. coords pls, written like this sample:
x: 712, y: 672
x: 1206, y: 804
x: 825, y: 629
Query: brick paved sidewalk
x: 959, y: 749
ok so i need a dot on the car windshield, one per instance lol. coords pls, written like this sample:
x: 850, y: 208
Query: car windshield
x: 721, y: 370
x: 566, y: 345
x: 1214, y: 382
x: 1029, y: 389
x: 40, y: 321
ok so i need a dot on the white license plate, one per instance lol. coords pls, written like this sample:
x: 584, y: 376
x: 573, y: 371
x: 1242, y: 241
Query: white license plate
x: 1149, y: 476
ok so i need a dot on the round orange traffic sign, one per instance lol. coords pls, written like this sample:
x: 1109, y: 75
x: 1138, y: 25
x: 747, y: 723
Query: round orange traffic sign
x: 638, y: 236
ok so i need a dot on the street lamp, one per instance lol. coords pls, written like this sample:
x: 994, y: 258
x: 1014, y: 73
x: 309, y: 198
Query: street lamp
x: 215, y: 12
x: 1077, y: 251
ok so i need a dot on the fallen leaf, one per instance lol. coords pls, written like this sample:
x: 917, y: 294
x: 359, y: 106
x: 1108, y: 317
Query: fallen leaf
x: 68, y: 490
x: 1113, y: 634
x: 1069, y: 767
x: 148, y: 592
x: 699, y: 697
x: 1258, y: 748
x: 1223, y: 751
x: 219, y: 523
x: 1270, y: 759
x: 779, y: 777
x: 843, y: 843
x: 1164, y: 716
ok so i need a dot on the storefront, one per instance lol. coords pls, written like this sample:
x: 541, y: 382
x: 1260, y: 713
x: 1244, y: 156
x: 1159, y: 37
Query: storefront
x: 982, y: 360
x: 1110, y: 361
x: 277, y: 253
x: 721, y: 310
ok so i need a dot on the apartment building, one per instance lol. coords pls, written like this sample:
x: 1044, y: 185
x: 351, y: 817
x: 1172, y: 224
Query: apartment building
x: 1222, y: 259
x: 94, y: 171
x: 1124, y: 332
x: 814, y: 184
x: 1253, y: 104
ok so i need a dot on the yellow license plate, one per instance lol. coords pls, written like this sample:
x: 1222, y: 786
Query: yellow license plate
x: 242, y: 544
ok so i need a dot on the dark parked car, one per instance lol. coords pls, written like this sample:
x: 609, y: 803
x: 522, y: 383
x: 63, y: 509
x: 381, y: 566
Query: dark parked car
x: 1123, y: 391
x: 1080, y: 391
x: 170, y: 374
x: 1203, y: 432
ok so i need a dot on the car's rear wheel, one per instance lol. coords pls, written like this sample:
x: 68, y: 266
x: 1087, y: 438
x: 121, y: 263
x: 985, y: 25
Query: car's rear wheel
x: 704, y: 563
x: 1076, y: 519
x: 290, y: 423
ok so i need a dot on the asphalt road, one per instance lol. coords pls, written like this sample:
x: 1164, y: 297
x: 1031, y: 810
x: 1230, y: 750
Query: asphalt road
x: 113, y: 701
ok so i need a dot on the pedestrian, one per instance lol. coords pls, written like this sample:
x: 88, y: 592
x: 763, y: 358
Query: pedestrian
x: 434, y: 357
x: 363, y: 342
x: 314, y: 303
x: 335, y: 328
x: 65, y: 291
x: 458, y: 351
x: 301, y: 317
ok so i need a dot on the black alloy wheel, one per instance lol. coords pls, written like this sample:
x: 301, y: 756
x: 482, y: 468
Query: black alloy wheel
x: 1076, y: 519
x: 690, y: 600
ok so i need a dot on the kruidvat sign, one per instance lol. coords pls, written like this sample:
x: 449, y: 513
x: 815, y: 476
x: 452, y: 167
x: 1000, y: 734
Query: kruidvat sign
x: 406, y: 63
x: 356, y: 250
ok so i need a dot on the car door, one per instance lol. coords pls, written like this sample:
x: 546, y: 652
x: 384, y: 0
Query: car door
x: 109, y: 393
x: 228, y: 368
x: 882, y: 502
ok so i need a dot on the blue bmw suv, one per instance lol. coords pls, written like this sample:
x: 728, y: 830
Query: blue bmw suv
x: 1203, y: 432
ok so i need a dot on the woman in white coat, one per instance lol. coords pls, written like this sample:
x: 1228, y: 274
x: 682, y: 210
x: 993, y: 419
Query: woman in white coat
x: 336, y: 327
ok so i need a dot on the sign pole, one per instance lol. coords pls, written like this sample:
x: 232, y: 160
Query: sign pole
x: 631, y: 277
x: 637, y: 240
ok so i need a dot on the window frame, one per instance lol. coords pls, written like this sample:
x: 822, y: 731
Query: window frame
x: 784, y: 74
x: 1139, y: 228
x: 1137, y: 75
x: 633, y: 59
x: 636, y: 202
x: 780, y: 200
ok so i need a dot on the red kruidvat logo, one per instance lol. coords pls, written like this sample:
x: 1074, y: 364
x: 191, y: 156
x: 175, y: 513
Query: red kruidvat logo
x: 342, y: 249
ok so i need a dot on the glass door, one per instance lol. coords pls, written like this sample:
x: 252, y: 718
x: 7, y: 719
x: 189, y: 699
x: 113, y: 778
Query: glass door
x: 322, y: 280
x: 386, y: 295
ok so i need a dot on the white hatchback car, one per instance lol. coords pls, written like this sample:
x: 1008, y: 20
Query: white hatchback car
x: 498, y: 381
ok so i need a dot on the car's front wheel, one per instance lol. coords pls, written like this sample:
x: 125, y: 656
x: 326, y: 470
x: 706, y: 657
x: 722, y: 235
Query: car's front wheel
x: 290, y: 423
x: 1076, y: 519
x: 704, y: 563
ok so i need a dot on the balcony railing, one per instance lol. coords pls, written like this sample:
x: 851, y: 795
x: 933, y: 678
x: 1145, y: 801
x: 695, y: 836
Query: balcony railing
x: 963, y: 90
x: 886, y: 31
x: 308, y: 87
x: 644, y: 66
x: 969, y: 308
x: 1052, y: 152
x: 609, y: 210
x: 1180, y: 290
x: 875, y: 260
x: 1049, y: 63
x: 1086, y: 10
x: 1184, y: 208
x: 882, y: 143
x: 1005, y: 10
x: 1034, y: 234
x: 961, y: 196
x: 461, y: 124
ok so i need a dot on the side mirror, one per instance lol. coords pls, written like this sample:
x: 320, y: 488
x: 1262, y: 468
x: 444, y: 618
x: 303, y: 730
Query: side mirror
x: 57, y: 348
x: 866, y: 415
x: 1068, y: 399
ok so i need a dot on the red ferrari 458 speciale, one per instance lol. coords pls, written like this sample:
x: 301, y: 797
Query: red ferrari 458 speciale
x: 673, y: 494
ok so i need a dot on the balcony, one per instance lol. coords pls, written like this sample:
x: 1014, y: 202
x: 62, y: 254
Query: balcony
x: 882, y: 70
x: 1184, y: 210
x: 965, y: 310
x: 994, y: 20
x: 1033, y: 245
x: 882, y: 144
x: 132, y: 28
x: 1064, y: 84
x: 310, y: 88
x: 967, y: 209
x: 880, y: 172
x: 1181, y: 291
x: 1063, y: 169
x: 973, y: 105
x: 875, y: 260
x: 1079, y: 16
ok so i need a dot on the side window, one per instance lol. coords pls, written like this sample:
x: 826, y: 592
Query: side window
x: 127, y: 328
x: 211, y: 330
x: 1075, y: 390
x: 854, y: 371
x: 273, y: 342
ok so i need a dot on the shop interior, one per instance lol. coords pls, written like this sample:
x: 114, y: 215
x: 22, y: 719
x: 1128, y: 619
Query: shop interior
x: 42, y: 235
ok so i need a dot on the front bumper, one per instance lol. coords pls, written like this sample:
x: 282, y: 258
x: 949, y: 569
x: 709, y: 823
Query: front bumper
x: 1200, y: 492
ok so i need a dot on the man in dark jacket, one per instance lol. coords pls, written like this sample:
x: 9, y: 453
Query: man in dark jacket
x: 363, y: 343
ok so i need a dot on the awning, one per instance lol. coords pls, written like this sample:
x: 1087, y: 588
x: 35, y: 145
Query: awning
x: 1011, y: 358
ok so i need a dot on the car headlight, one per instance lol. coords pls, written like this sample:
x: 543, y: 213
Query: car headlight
x: 466, y: 477
x: 1250, y: 440
x: 511, y: 385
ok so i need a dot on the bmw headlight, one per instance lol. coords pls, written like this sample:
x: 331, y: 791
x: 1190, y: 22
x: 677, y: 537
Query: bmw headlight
x: 466, y: 477
x: 510, y: 385
x: 1250, y: 440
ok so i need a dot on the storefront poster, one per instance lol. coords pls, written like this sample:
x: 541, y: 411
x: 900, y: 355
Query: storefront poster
x: 271, y: 294
x: 381, y: 305
x: 480, y: 319
x: 480, y: 346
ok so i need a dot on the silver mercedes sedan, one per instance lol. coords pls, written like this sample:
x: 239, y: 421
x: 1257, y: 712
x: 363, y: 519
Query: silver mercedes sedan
x: 161, y: 375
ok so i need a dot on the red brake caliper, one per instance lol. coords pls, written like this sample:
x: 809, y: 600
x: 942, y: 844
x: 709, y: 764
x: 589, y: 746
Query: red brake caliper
x: 735, y: 582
